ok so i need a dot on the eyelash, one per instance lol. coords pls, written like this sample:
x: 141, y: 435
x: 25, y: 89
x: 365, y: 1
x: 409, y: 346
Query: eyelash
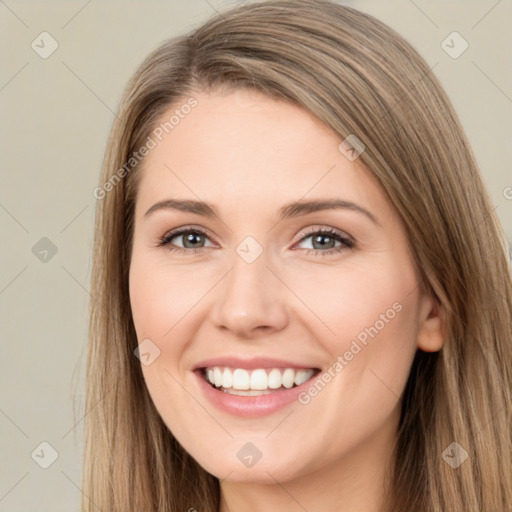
x: 347, y: 243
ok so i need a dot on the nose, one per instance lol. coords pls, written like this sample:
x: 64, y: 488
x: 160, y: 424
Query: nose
x: 250, y: 300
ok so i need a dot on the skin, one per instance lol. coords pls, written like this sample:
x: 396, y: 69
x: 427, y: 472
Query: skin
x: 248, y: 155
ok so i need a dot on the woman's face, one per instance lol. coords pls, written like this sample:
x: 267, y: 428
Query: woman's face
x: 255, y: 296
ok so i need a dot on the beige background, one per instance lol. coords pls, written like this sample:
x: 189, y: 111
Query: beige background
x: 55, y: 116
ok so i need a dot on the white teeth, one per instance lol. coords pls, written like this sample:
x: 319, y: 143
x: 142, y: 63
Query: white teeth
x: 274, y: 379
x: 288, y: 377
x: 217, y: 376
x: 261, y: 381
x: 302, y: 376
x: 240, y: 379
x: 227, y: 379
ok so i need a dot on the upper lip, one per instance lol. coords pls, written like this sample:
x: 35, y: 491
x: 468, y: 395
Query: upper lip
x: 250, y: 363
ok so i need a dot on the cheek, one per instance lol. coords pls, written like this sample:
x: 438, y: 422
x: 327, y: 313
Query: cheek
x: 163, y: 304
x: 372, y: 353
x: 368, y: 314
x: 356, y: 298
x: 156, y: 313
x: 159, y: 307
x: 161, y: 297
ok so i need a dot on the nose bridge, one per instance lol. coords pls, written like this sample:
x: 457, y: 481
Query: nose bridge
x: 251, y: 295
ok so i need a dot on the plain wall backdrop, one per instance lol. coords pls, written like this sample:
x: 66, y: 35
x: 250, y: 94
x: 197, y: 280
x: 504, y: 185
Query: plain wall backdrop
x: 56, y: 109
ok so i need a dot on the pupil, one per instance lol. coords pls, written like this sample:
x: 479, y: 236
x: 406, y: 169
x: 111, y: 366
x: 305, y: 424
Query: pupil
x: 319, y: 237
x: 190, y: 237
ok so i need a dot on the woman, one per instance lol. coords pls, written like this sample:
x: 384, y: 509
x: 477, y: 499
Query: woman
x: 248, y: 373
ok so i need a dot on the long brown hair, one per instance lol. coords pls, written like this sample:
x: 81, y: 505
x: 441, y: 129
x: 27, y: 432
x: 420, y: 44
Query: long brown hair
x: 359, y: 77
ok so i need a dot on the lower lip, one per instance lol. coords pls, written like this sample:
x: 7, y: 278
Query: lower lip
x: 251, y: 406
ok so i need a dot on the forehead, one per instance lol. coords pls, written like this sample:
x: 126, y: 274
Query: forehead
x: 249, y: 150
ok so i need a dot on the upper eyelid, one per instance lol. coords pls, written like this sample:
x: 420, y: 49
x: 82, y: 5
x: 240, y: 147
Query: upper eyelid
x: 311, y: 231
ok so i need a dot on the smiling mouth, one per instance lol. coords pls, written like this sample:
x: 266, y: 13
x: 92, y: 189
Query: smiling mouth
x: 257, y: 382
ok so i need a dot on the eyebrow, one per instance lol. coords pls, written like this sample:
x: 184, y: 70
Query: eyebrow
x: 290, y: 210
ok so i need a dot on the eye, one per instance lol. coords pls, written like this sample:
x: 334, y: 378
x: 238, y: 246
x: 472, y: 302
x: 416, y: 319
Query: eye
x: 324, y: 240
x: 191, y: 242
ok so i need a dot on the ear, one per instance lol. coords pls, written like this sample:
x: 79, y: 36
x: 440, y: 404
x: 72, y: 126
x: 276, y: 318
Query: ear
x: 431, y: 325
